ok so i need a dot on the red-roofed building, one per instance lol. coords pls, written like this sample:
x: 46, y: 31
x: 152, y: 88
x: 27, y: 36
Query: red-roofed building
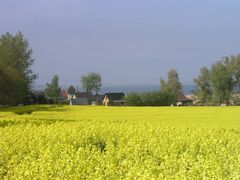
x: 182, y: 99
x: 64, y: 95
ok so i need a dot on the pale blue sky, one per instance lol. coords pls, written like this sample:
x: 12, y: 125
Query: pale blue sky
x: 127, y: 41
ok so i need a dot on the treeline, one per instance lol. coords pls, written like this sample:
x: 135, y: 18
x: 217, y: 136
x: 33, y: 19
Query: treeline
x: 90, y: 82
x: 151, y: 99
x: 220, y: 83
x: 165, y: 97
x: 215, y: 85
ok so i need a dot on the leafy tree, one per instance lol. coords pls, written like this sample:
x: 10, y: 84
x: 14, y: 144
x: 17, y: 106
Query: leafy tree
x: 71, y: 90
x: 38, y: 98
x: 13, y: 87
x: 92, y: 82
x: 133, y: 99
x: 222, y: 82
x: 233, y: 65
x: 164, y: 85
x: 173, y: 84
x: 53, y: 90
x: 203, y: 86
x: 16, y: 76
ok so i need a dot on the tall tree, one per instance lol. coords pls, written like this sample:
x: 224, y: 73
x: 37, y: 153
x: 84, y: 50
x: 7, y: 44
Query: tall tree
x: 71, y: 90
x: 92, y: 82
x: 164, y: 85
x: 203, y: 86
x: 53, y: 90
x: 16, y: 76
x: 222, y: 82
x: 173, y: 83
x: 233, y: 65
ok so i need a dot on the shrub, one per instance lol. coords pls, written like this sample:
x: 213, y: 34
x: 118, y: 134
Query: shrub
x: 161, y: 98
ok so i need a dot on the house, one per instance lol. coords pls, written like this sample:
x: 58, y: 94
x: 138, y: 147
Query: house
x: 79, y: 101
x: 193, y: 97
x: 183, y: 100
x: 63, y: 95
x: 116, y: 99
x: 99, y: 99
x: 86, y: 98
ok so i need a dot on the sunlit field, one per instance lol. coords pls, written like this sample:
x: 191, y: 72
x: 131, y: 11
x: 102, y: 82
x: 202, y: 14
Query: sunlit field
x: 48, y: 142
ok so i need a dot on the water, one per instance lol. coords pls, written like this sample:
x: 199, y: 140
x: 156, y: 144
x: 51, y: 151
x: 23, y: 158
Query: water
x: 187, y: 89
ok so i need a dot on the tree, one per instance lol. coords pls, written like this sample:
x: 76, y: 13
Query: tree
x: 91, y: 82
x: 164, y: 85
x: 53, y: 90
x: 16, y: 76
x: 162, y: 98
x: 233, y: 65
x: 203, y: 86
x: 133, y: 99
x: 173, y: 84
x: 13, y: 87
x: 222, y: 82
x: 71, y: 90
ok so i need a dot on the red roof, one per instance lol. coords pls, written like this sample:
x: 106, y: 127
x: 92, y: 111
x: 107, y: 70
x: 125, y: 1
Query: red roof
x: 182, y: 97
x: 64, y: 94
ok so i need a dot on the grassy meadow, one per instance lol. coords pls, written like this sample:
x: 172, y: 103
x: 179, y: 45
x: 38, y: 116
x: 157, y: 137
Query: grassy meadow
x: 79, y: 142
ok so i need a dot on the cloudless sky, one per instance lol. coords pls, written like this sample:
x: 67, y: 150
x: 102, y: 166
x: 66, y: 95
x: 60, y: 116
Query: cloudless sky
x: 127, y: 41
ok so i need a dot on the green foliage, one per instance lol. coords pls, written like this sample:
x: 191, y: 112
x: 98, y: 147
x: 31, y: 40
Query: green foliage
x: 133, y: 99
x: 203, y: 86
x: 92, y: 82
x: 222, y: 82
x: 162, y: 98
x: 173, y: 84
x: 53, y: 90
x: 71, y: 90
x: 120, y: 143
x: 233, y: 65
x: 16, y: 76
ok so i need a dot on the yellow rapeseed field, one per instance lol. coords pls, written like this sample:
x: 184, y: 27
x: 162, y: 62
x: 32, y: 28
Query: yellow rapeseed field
x: 63, y: 142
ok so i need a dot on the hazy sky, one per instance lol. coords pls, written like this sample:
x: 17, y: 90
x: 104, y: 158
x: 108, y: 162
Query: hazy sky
x: 127, y: 41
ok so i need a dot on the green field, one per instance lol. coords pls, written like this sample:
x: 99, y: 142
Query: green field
x: 48, y: 142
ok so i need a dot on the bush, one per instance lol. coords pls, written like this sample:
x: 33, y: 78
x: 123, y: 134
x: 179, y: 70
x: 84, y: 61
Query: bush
x: 161, y: 98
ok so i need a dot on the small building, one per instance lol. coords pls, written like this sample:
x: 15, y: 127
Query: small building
x: 86, y: 98
x: 79, y: 101
x: 63, y: 95
x: 183, y: 100
x: 113, y: 99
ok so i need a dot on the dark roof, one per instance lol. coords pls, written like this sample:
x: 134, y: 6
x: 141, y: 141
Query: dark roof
x: 63, y: 94
x: 182, y: 98
x: 84, y: 95
x: 115, y: 96
x: 79, y: 101
x: 99, y: 97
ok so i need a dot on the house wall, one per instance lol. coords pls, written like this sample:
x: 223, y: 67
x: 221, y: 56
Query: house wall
x: 106, y: 101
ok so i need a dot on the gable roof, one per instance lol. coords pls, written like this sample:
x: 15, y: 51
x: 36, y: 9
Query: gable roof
x: 63, y: 94
x: 115, y: 96
x: 182, y: 98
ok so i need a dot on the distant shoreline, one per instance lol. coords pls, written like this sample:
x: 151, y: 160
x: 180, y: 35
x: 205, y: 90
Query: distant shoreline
x: 187, y: 89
